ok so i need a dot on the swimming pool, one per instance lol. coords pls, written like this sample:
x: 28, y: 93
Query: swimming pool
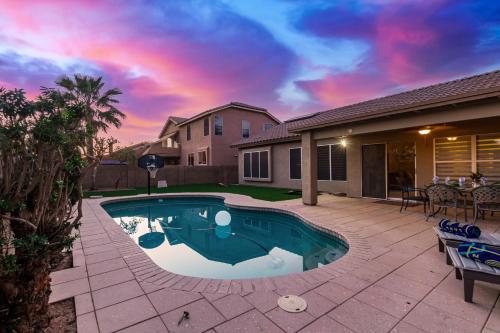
x: 202, y: 237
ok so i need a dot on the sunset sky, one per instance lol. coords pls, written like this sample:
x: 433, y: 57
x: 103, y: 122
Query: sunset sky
x: 291, y: 57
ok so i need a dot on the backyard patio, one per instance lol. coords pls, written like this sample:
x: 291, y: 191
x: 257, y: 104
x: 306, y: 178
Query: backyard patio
x: 393, y: 279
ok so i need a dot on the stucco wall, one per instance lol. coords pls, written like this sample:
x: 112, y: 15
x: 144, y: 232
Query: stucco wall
x: 220, y: 152
x: 424, y: 146
x: 197, y: 143
x: 280, y: 171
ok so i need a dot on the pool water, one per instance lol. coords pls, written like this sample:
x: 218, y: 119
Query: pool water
x: 202, y: 237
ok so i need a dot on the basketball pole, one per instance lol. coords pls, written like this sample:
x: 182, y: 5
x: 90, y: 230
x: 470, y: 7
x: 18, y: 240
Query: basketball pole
x: 149, y: 182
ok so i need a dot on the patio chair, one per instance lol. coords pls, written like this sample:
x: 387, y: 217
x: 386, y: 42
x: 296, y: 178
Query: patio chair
x: 411, y: 193
x: 486, y: 198
x: 470, y: 270
x: 443, y: 197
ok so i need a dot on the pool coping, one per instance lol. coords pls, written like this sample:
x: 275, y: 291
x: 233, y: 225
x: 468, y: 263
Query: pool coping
x: 147, y: 272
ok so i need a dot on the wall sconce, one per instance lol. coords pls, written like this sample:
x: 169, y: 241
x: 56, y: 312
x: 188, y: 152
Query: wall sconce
x: 424, y: 131
x: 343, y: 142
x: 451, y: 138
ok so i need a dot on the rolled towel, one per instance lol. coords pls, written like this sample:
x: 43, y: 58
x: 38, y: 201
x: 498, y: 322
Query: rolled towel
x: 464, y: 230
x: 481, y: 253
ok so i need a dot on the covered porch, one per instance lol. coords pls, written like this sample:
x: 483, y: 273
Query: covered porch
x: 410, y: 148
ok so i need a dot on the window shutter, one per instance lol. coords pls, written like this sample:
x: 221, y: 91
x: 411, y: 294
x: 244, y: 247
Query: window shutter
x: 453, y: 157
x: 338, y: 162
x: 255, y: 165
x: 323, y: 163
x: 264, y: 165
x: 247, y: 165
x: 295, y: 163
x: 488, y: 156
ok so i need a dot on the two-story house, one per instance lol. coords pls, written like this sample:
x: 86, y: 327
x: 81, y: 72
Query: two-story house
x: 206, y: 138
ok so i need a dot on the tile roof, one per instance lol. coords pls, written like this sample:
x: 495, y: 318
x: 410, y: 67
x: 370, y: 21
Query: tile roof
x: 225, y: 106
x: 177, y: 120
x: 158, y: 149
x: 278, y: 133
x: 468, y: 88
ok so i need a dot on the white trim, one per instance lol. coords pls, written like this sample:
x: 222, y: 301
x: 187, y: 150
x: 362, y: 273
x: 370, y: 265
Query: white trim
x: 269, y: 166
x: 188, y: 159
x: 330, y: 163
x: 289, y: 171
x: 205, y: 150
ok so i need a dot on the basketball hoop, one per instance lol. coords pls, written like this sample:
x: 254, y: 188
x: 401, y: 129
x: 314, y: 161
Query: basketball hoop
x: 151, y: 163
x: 152, y: 169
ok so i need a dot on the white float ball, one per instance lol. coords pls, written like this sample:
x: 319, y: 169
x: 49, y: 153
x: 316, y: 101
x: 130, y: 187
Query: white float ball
x: 222, y: 218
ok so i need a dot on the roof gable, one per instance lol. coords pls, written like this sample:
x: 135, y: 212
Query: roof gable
x: 237, y: 105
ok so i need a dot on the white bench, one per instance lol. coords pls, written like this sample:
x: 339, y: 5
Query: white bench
x: 470, y: 270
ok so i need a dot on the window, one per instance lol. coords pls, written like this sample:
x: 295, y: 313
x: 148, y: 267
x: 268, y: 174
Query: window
x: 245, y: 128
x: 206, y: 126
x: 488, y: 156
x: 338, y: 162
x: 332, y: 162
x: 264, y: 162
x: 296, y: 163
x: 256, y: 165
x: 202, y: 157
x: 266, y: 126
x: 188, y: 132
x: 323, y: 162
x: 459, y: 156
x: 247, y: 173
x: 218, y: 125
x: 453, y: 156
x: 191, y: 159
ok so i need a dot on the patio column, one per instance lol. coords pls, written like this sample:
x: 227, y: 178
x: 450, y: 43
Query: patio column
x: 309, y: 169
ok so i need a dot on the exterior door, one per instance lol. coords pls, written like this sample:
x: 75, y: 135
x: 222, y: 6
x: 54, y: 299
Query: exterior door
x: 373, y: 182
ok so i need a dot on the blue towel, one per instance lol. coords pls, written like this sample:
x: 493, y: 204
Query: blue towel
x: 480, y: 252
x: 464, y: 230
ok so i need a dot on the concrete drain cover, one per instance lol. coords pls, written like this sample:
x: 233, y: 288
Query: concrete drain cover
x: 292, y: 303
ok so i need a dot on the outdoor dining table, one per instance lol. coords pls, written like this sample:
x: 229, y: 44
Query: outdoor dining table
x: 464, y: 191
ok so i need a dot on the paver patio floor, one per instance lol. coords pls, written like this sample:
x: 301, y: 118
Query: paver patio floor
x: 393, y: 279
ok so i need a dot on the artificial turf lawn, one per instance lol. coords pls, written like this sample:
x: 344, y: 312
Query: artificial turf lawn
x: 262, y: 193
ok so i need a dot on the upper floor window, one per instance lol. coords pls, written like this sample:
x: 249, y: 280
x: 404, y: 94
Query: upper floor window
x: 245, y: 128
x: 218, y: 125
x: 266, y: 126
x: 188, y: 132
x: 206, y: 126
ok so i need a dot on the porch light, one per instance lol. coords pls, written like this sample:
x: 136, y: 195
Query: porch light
x: 451, y: 138
x: 424, y: 131
x: 343, y: 142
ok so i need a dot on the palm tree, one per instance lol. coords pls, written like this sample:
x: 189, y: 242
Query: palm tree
x: 100, y: 107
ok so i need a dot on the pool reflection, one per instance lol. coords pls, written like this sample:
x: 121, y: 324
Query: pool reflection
x: 202, y: 237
